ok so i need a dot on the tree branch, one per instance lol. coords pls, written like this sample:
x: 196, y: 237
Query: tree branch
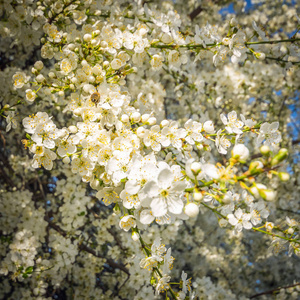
x: 274, y: 290
x: 84, y: 247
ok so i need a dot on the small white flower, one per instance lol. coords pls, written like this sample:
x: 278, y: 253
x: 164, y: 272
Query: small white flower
x: 193, y: 130
x: 239, y: 220
x: 19, y: 79
x: 66, y: 66
x: 208, y: 127
x: 127, y: 222
x: 248, y: 122
x: 30, y: 95
x: 233, y: 124
x: 222, y: 143
x: 165, y: 194
x: 191, y: 210
x: 174, y: 58
x: 162, y: 284
x: 240, y: 151
x: 157, y: 62
x: 44, y: 159
x: 269, y: 133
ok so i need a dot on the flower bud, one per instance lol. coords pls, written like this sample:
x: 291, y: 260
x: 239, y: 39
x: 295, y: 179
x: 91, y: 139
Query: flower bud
x: 260, y: 55
x: 226, y: 199
x: 196, y: 167
x: 116, y: 208
x: 255, y: 189
x: 72, y: 129
x: 264, y: 150
x: 191, y: 210
x: 279, y: 157
x: 268, y: 195
x: 152, y: 121
x: 105, y: 64
x: 124, y: 118
x: 208, y: 126
x: 40, y: 78
x: 164, y: 123
x: 91, y: 78
x: 240, y: 151
x: 135, y: 117
x: 255, y: 166
x: 39, y: 65
x: 140, y: 132
x: 283, y: 176
x: 66, y: 160
x: 145, y: 118
x: 84, y: 63
x: 135, y: 236
x: 104, y: 44
x: 94, y: 42
x: 197, y: 196
x: 87, y: 37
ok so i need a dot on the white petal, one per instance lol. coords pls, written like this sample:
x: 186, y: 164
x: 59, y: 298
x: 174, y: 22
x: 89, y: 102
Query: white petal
x: 223, y: 119
x: 175, y: 206
x: 165, y: 178
x: 151, y: 189
x: 132, y: 187
x: 158, y: 207
x: 274, y: 126
x: 179, y: 186
x: 146, y: 217
x: 211, y: 171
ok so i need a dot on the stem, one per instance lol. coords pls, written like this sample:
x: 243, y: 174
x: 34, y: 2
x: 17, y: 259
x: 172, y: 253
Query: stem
x: 254, y: 228
x: 279, y: 236
x: 148, y: 253
x: 272, y: 42
x: 195, y: 46
x: 274, y: 290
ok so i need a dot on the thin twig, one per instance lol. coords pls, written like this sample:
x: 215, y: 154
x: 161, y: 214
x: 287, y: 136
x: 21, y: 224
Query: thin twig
x: 274, y: 290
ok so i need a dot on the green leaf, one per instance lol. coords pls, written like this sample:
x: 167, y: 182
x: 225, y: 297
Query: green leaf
x: 29, y: 270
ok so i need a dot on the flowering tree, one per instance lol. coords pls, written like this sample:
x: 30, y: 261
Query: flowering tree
x: 138, y: 136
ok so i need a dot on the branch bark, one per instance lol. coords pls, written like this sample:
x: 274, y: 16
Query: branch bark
x: 274, y: 290
x: 84, y: 247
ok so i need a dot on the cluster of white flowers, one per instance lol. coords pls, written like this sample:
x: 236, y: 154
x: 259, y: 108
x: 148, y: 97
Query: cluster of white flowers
x: 129, y: 125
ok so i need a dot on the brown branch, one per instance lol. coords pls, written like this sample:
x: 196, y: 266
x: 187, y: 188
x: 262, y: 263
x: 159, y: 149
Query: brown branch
x: 117, y: 240
x: 109, y: 261
x: 274, y: 290
x: 295, y: 142
x: 55, y: 227
x: 84, y: 247
x: 195, y: 12
x: 200, y: 8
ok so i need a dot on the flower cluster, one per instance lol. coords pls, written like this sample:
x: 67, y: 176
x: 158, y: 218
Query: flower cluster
x: 135, y: 121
